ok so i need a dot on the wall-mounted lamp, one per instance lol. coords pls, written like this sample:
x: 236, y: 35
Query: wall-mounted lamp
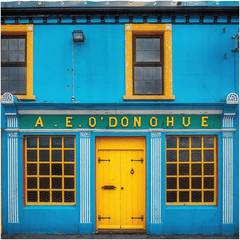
x: 78, y: 36
x: 236, y: 43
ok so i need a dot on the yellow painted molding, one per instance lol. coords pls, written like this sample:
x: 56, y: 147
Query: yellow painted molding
x: 166, y: 30
x: 28, y: 31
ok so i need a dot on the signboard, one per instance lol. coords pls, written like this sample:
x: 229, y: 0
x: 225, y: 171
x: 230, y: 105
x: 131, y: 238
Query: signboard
x: 120, y: 122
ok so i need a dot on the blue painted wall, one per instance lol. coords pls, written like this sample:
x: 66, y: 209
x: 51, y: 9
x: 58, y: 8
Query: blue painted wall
x: 201, y: 73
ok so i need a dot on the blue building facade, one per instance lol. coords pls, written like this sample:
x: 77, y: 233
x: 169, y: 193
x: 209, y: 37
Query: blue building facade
x: 165, y: 72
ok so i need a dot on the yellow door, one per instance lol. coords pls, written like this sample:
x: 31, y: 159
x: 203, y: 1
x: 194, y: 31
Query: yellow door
x: 120, y: 183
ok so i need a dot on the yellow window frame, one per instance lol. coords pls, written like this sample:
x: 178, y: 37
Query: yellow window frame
x: 28, y: 31
x: 166, y: 30
x: 50, y: 176
x: 190, y: 176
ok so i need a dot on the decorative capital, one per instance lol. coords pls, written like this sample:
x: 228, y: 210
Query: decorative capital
x: 85, y: 134
x: 232, y: 98
x: 155, y: 134
x: 12, y: 134
x: 227, y: 134
x: 7, y: 98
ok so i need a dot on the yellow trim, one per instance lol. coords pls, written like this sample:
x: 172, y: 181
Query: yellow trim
x: 28, y: 31
x: 189, y: 175
x: 50, y: 176
x: 166, y: 30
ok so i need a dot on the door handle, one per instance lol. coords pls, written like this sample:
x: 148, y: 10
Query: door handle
x: 108, y: 187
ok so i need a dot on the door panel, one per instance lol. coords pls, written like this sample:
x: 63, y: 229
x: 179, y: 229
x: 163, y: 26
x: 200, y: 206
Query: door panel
x: 108, y: 203
x: 125, y: 207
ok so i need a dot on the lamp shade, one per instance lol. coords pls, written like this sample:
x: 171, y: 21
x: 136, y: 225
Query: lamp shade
x: 78, y: 36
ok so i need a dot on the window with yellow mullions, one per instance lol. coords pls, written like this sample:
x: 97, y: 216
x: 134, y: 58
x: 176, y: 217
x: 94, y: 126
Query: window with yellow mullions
x: 50, y: 166
x: 191, y: 170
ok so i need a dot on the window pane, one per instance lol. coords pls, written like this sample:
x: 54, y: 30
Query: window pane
x: 4, y: 44
x: 31, y: 183
x: 56, y: 196
x: 69, y: 142
x: 13, y: 86
x: 22, y: 87
x: 31, y: 155
x: 183, y: 183
x: 22, y: 73
x: 138, y: 73
x: 21, y: 55
x: 32, y: 196
x: 172, y: 156
x: 31, y: 169
x: 56, y: 169
x: 4, y: 87
x: 4, y: 73
x: 44, y: 196
x: 183, y: 169
x: 157, y: 73
x: 44, y: 155
x: 208, y: 182
x: 196, y: 155
x: 196, y: 196
x: 183, y: 156
x: 208, y: 155
x: 56, y: 155
x: 196, y: 183
x: 157, y: 87
x: 13, y: 56
x: 69, y: 156
x: 13, y: 73
x: 56, y: 142
x: 5, y: 56
x: 209, y: 169
x: 13, y: 44
x: 31, y: 142
x: 208, y: 196
x: 184, y: 196
x: 139, y: 87
x: 69, y: 169
x: 184, y: 142
x: 68, y: 183
x: 196, y: 169
x: 171, y: 183
x: 171, y: 142
x: 68, y: 196
x: 44, y: 183
x: 171, y: 169
x: 196, y: 142
x: 21, y: 44
x: 57, y: 183
x: 44, y: 169
x: 172, y: 196
x: 208, y: 142
x: 44, y: 142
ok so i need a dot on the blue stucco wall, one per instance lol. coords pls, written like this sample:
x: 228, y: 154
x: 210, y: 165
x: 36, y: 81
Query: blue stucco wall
x: 200, y: 69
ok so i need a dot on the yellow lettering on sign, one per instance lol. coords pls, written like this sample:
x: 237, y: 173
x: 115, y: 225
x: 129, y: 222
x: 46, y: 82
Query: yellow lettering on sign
x: 204, y: 122
x: 126, y: 119
x: 183, y: 122
x: 170, y: 121
x: 137, y: 121
x: 68, y: 122
x: 151, y: 122
x: 39, y: 122
x: 110, y: 122
x: 94, y: 122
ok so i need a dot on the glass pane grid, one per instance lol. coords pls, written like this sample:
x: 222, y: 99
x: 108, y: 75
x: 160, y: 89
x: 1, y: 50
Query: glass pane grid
x: 39, y: 189
x: 195, y: 176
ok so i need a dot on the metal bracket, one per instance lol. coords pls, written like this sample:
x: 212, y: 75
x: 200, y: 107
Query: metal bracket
x: 141, y: 160
x: 108, y: 187
x: 142, y: 217
x: 101, y: 160
x: 99, y: 218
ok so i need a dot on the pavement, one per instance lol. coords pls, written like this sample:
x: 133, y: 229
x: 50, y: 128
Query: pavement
x: 114, y: 236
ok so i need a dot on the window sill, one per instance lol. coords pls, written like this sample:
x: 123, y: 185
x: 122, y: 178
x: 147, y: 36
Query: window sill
x: 148, y: 97
x: 24, y: 97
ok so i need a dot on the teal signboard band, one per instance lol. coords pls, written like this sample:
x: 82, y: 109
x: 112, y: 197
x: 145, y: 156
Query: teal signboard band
x: 120, y: 122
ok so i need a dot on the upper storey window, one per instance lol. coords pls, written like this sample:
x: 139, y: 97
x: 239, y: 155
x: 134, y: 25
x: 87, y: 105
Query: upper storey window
x: 148, y: 62
x: 17, y: 60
